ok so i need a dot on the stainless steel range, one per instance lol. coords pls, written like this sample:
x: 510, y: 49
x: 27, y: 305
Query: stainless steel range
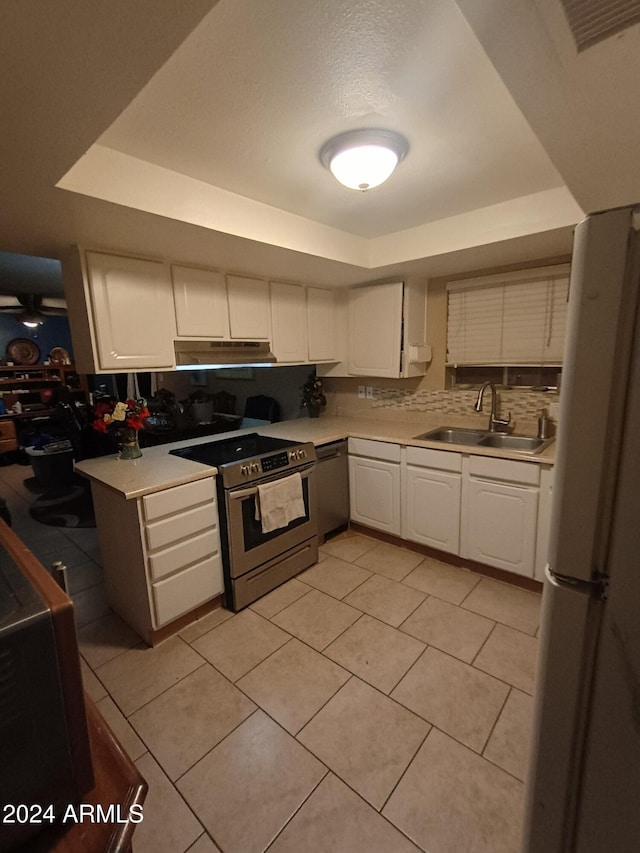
x: 257, y: 559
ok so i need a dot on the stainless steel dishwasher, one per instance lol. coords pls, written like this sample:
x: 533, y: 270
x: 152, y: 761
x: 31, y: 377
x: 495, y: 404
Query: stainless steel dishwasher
x: 332, y: 488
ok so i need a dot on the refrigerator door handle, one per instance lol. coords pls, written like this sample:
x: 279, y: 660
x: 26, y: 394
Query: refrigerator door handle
x: 569, y: 628
x: 598, y: 586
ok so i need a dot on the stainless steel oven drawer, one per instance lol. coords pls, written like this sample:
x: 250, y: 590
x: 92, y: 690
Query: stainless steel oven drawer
x: 255, y: 584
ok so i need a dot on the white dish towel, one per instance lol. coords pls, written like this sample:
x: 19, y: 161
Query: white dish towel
x: 279, y: 502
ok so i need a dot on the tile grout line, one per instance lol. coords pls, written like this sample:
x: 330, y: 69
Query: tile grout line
x: 448, y: 734
x: 178, y: 794
x: 482, y: 645
x: 291, y: 817
x: 495, y: 764
x: 162, y: 692
x: 495, y: 723
x: 404, y: 772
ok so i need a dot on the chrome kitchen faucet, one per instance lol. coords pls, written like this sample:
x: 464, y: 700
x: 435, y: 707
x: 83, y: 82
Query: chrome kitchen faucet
x: 496, y: 424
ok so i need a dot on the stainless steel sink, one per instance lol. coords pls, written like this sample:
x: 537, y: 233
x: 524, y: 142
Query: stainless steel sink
x: 519, y: 443
x: 483, y: 438
x: 454, y: 435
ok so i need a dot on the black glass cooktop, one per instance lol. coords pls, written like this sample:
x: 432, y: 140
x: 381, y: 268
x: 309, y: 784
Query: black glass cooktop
x: 230, y: 450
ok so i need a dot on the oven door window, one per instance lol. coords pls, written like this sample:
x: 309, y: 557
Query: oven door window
x: 252, y: 529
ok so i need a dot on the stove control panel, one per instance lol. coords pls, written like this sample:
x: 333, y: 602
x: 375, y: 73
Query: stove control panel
x: 274, y: 462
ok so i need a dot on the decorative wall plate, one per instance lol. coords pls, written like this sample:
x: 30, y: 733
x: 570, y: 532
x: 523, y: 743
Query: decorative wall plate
x: 22, y: 351
x: 59, y: 355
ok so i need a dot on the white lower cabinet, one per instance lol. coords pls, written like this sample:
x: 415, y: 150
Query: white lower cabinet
x: 501, y: 525
x: 161, y: 552
x: 483, y: 508
x: 182, y: 546
x: 374, y: 484
x: 432, y: 489
x: 499, y: 522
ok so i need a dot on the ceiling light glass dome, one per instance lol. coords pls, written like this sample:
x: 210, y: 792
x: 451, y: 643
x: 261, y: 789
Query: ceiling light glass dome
x: 363, y: 159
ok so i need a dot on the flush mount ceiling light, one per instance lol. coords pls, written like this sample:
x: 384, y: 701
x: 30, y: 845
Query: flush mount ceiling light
x: 363, y: 159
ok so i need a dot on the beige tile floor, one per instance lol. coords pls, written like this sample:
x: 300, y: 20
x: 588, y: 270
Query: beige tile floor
x: 380, y: 702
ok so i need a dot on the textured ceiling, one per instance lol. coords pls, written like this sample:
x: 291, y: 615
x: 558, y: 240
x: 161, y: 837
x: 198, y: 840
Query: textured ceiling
x: 499, y: 94
x: 249, y: 98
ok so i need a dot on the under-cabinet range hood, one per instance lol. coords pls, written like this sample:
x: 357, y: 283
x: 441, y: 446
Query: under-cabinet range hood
x: 200, y: 354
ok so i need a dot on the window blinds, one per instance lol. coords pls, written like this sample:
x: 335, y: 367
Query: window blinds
x: 514, y: 319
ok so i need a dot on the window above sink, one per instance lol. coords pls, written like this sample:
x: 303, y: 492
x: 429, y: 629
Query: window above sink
x: 508, y: 328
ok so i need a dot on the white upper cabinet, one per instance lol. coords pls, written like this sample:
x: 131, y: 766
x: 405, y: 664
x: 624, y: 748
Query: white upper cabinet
x: 288, y: 322
x: 121, y: 312
x: 200, y: 298
x: 385, y: 331
x: 321, y: 324
x: 248, y: 308
x: 375, y: 326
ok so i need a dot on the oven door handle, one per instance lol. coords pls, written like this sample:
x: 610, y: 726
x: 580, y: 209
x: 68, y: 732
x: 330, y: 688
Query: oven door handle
x: 238, y: 494
x: 243, y: 493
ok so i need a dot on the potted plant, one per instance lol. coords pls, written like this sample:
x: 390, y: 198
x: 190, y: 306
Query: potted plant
x: 313, y: 398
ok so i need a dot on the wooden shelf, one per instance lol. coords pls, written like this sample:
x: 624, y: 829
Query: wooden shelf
x: 32, y: 380
x: 16, y: 377
x: 25, y: 368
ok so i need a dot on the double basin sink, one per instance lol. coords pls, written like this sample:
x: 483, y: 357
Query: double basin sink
x: 483, y: 438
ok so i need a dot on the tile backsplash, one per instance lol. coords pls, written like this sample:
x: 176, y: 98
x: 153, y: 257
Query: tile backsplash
x: 414, y: 404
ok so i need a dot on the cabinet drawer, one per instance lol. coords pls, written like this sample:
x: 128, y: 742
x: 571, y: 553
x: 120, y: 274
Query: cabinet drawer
x: 168, y: 530
x: 510, y: 471
x: 374, y: 449
x: 178, y: 498
x: 185, y: 591
x: 178, y: 556
x: 7, y: 430
x: 443, y: 460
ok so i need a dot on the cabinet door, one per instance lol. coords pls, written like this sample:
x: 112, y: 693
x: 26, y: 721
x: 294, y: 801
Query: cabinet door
x: 321, y: 324
x: 248, y: 308
x: 499, y: 525
x: 375, y: 330
x: 288, y: 322
x: 374, y: 493
x: 200, y: 298
x: 433, y: 508
x: 133, y: 314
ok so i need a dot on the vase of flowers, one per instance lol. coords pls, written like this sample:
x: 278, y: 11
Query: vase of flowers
x: 124, y: 418
x: 313, y: 398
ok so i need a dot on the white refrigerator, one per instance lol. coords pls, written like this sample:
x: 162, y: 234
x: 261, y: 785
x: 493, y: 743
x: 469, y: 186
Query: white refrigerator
x: 583, y: 790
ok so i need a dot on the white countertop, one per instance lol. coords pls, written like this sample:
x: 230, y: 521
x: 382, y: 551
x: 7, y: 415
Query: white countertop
x: 157, y: 469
